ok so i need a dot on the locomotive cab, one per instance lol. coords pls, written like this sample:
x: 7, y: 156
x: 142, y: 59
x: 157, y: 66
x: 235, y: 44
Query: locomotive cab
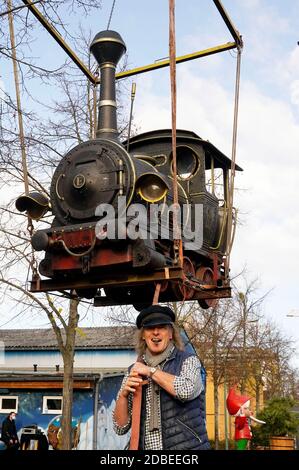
x: 203, y: 174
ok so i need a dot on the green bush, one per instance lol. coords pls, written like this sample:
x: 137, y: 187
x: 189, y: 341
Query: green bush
x: 280, y: 421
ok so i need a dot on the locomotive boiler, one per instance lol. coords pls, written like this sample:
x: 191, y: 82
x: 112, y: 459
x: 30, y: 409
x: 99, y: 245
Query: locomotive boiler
x: 113, y: 234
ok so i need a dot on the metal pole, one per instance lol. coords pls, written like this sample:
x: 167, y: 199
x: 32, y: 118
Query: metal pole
x: 95, y: 413
x: 234, y: 32
x: 18, y: 96
x: 183, y: 58
x: 54, y: 33
x: 133, y: 92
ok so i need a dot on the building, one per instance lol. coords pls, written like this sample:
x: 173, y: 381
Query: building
x: 31, y: 379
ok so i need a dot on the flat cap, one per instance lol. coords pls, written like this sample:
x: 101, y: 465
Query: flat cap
x: 155, y: 315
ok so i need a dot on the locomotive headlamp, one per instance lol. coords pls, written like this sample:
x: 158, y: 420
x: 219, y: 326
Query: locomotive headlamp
x: 35, y: 204
x: 151, y: 187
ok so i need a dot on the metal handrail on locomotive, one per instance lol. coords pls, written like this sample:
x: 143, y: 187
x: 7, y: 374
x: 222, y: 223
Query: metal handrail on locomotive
x: 97, y: 243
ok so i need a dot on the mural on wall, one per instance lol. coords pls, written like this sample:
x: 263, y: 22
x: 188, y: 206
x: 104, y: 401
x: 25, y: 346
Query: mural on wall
x: 30, y: 412
x: 107, y: 439
x: 54, y: 433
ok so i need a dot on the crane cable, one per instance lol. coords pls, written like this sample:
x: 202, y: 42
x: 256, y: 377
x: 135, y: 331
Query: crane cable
x: 111, y: 13
x: 177, y: 238
x: 230, y: 231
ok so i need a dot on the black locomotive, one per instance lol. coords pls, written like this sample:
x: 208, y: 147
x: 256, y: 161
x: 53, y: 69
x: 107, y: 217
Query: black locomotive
x: 89, y: 249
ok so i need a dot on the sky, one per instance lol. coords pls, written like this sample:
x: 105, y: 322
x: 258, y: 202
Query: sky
x: 268, y: 132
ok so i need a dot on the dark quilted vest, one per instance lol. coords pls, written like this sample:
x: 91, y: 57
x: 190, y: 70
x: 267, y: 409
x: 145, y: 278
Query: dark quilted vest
x: 183, y: 423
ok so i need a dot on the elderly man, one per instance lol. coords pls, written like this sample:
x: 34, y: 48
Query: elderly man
x: 173, y: 400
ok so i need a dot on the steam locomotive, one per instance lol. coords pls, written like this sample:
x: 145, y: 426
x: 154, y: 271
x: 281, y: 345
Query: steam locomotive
x: 95, y: 245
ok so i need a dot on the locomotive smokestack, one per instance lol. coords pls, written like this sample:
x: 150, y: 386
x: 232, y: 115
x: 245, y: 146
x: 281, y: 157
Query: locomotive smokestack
x: 107, y: 47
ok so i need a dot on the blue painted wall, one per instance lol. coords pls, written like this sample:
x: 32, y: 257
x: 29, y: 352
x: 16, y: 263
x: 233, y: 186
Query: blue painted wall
x: 31, y: 402
x: 30, y: 412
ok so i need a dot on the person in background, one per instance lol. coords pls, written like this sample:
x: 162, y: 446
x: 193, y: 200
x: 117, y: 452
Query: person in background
x: 9, y: 432
x: 173, y: 400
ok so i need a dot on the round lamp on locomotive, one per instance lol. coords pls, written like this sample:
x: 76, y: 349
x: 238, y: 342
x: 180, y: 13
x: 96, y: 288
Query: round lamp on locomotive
x: 151, y: 187
x: 35, y: 204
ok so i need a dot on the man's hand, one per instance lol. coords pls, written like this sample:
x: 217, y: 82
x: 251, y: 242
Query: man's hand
x: 141, y: 369
x: 133, y: 381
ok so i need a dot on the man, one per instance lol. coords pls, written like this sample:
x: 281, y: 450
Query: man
x: 173, y: 400
x: 9, y: 432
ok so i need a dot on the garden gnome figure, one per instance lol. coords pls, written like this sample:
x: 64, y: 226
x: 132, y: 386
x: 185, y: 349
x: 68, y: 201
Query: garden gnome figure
x: 239, y: 406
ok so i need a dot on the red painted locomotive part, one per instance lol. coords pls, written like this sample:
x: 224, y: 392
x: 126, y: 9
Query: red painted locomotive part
x: 206, y: 275
x: 73, y: 238
x: 181, y: 290
x: 100, y: 258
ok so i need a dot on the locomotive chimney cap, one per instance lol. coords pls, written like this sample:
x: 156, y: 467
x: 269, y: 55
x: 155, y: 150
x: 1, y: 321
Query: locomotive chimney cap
x: 108, y: 46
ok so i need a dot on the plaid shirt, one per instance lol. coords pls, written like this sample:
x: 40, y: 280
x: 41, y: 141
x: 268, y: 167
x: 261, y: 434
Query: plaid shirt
x: 188, y: 385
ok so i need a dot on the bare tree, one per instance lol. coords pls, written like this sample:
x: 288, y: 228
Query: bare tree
x: 249, y: 303
x: 214, y: 336
x: 43, y: 149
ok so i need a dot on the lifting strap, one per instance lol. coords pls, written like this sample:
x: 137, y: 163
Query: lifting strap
x: 136, y: 414
x: 178, y: 246
x: 230, y: 231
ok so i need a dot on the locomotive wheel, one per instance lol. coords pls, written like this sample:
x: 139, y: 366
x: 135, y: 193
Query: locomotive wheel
x: 180, y: 291
x: 206, y: 275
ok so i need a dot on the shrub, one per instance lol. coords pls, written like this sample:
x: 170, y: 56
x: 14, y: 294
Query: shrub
x: 280, y: 421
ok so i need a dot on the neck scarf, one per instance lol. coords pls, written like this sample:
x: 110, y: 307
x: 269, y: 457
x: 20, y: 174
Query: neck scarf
x: 154, y: 361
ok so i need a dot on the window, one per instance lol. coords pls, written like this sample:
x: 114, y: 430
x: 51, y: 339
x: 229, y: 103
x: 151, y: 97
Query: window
x: 188, y: 162
x: 52, y: 405
x: 9, y: 403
